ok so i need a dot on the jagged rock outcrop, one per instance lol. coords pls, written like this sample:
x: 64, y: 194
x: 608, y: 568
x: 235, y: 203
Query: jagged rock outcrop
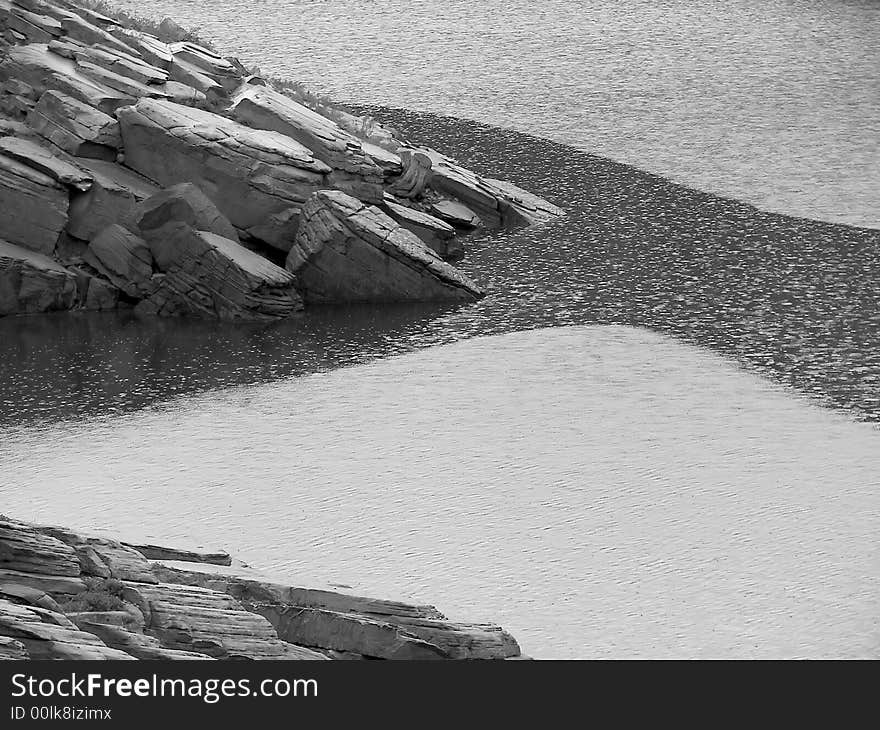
x: 346, y: 251
x: 249, y: 174
x: 354, y: 172
x: 34, y: 209
x: 207, y: 275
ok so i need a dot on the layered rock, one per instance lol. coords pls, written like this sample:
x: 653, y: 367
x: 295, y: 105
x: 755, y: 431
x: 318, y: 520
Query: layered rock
x: 354, y: 171
x: 48, y: 160
x: 184, y: 203
x: 249, y: 174
x: 437, y: 235
x: 75, y: 127
x: 346, y: 251
x: 124, y: 258
x: 34, y: 209
x: 207, y: 275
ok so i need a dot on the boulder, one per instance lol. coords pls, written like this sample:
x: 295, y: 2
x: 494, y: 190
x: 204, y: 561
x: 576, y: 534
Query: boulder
x: 48, y: 160
x: 248, y: 174
x: 34, y: 210
x: 353, y: 170
x: 210, y: 276
x: 74, y: 127
x: 437, y: 235
x: 113, y: 197
x: 182, y: 203
x: 389, y: 162
x: 185, y: 73
x: 100, y: 295
x: 346, y: 251
x: 124, y: 258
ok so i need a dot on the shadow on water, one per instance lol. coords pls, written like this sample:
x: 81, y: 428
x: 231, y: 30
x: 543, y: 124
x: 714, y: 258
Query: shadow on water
x: 794, y: 299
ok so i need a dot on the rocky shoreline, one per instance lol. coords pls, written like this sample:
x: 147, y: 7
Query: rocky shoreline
x: 151, y: 172
x: 147, y: 172
x: 65, y: 594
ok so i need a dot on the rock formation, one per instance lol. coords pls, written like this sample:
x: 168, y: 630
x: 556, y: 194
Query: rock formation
x: 96, y: 118
x: 346, y: 251
x: 69, y: 595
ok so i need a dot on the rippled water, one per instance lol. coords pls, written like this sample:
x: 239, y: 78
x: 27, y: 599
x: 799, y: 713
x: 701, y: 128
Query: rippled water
x: 600, y: 491
x: 770, y: 101
x: 668, y: 490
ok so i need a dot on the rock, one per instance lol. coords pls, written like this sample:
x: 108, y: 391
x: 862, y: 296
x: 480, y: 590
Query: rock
x: 159, y: 552
x: 10, y: 128
x: 29, y: 595
x: 121, y: 561
x: 456, y: 213
x: 74, y: 127
x: 347, y: 632
x: 91, y: 35
x: 95, y: 18
x: 520, y: 207
x: 197, y: 619
x: 44, y: 639
x: 416, y: 175
x: 204, y: 61
x: 280, y: 227
x: 124, y: 258
x: 130, y: 87
x: 437, y: 235
x: 89, y: 92
x: 210, y: 276
x: 33, y: 65
x: 12, y: 649
x: 389, y: 162
x: 183, y: 94
x: 35, y: 28
x: 34, y: 210
x: 353, y: 170
x: 136, y: 644
x: 100, y: 295
x: 189, y: 75
x: 113, y: 197
x: 20, y: 88
x: 183, y: 203
x: 54, y: 585
x: 346, y: 251
x: 47, y: 160
x: 248, y: 174
x: 149, y: 47
x: 122, y: 64
x: 23, y: 548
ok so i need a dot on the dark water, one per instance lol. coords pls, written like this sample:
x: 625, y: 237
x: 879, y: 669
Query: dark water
x: 794, y: 299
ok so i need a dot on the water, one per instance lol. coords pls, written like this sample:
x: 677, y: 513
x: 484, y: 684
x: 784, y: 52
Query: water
x: 674, y: 468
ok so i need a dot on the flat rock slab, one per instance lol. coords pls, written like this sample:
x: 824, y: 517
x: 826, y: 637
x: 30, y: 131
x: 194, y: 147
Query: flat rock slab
x: 24, y: 548
x: 48, y: 160
x: 150, y: 48
x: 34, y: 210
x: 75, y: 127
x: 346, y: 251
x: 354, y: 172
x: 248, y: 174
x: 438, y: 235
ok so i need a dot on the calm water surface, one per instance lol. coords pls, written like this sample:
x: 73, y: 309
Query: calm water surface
x: 645, y: 441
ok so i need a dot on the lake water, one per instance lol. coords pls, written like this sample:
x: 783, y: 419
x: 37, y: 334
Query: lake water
x: 656, y: 437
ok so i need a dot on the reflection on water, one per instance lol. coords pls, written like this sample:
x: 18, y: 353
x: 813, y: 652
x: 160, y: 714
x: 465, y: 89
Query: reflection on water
x: 794, y: 299
x: 601, y: 491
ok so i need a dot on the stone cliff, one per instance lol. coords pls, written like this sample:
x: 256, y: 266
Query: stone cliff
x: 100, y: 123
